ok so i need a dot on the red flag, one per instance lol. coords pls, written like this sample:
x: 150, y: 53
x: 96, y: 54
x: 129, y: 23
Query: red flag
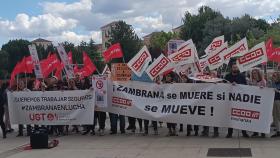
x: 114, y: 51
x: 76, y: 68
x: 70, y: 57
x: 14, y: 73
x: 19, y: 68
x: 50, y: 64
x: 28, y: 64
x: 269, y: 48
x: 58, y: 71
x: 89, y: 67
x: 275, y: 55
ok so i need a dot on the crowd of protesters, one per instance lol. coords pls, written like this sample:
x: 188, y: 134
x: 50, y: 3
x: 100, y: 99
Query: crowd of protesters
x: 254, y: 78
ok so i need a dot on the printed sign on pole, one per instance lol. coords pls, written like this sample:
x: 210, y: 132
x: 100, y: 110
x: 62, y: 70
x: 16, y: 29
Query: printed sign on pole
x: 139, y: 63
x: 120, y: 72
x: 65, y: 60
x: 36, y: 61
x: 238, y: 48
x: 158, y: 66
x: 214, y: 59
x: 100, y: 86
x: 216, y: 43
x: 257, y: 55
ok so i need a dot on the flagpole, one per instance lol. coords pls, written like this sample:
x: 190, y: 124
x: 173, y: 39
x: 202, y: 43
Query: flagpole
x: 25, y: 78
x: 97, y: 71
x: 17, y: 81
x: 225, y: 71
x: 123, y: 60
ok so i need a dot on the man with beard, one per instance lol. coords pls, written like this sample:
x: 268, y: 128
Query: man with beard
x: 235, y: 77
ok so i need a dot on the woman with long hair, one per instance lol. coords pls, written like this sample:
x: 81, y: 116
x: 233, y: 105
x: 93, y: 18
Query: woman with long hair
x: 257, y: 79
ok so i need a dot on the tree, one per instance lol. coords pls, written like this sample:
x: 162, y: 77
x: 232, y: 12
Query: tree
x: 125, y: 35
x: 193, y: 25
x: 158, y: 42
x: 4, y: 58
x: 16, y: 50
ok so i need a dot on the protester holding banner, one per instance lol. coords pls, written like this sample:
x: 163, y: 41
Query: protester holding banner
x: 132, y: 124
x: 257, y: 79
x: 235, y: 77
x: 72, y: 86
x: 205, y: 132
x: 184, y: 79
x: 169, y: 79
x: 21, y: 86
x: 2, y: 102
x: 6, y: 110
x: 276, y: 105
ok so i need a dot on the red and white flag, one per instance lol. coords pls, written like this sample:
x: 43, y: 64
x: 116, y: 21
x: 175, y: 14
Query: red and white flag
x: 238, y: 49
x: 185, y: 54
x: 28, y: 64
x: 49, y: 65
x: 157, y: 67
x: 214, y: 59
x: 254, y: 57
x: 139, y: 63
x: 273, y: 54
x: 115, y: 51
x: 36, y: 61
x: 216, y: 43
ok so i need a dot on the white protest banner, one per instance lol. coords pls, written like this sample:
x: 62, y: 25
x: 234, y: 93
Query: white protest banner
x: 139, y: 63
x: 257, y: 55
x: 36, y: 61
x: 218, y: 105
x: 65, y: 60
x: 100, y: 86
x: 52, y: 107
x: 238, y: 48
x: 214, y: 59
x: 216, y: 43
x: 157, y: 66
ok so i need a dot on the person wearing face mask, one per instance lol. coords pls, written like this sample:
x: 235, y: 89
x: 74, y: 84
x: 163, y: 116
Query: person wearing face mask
x: 235, y: 77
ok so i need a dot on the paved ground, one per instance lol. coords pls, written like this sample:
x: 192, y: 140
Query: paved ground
x: 138, y: 146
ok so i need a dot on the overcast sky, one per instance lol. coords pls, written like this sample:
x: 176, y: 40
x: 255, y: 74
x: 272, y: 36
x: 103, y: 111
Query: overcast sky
x: 77, y: 20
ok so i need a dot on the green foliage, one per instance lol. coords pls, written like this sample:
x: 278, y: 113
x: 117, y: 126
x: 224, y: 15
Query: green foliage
x: 4, y: 59
x: 125, y: 35
x: 194, y: 25
x: 208, y: 24
x: 16, y: 50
